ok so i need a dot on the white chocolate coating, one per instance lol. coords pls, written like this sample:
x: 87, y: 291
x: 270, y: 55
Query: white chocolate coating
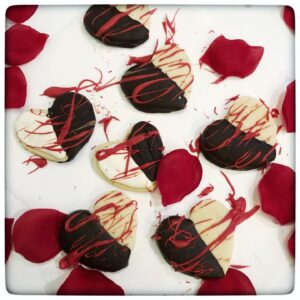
x: 117, y: 214
x: 174, y: 62
x: 138, y: 14
x: 206, y: 213
x: 253, y: 117
x: 112, y: 169
x: 36, y: 134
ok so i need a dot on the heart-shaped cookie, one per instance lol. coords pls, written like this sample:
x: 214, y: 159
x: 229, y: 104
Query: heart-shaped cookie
x: 184, y: 242
x: 101, y: 239
x: 133, y: 163
x: 245, y: 139
x: 60, y: 132
x: 202, y: 245
x: 161, y: 82
x: 118, y: 25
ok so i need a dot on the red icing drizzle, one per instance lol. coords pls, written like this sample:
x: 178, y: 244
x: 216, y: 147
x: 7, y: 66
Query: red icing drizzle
x: 232, y: 98
x: 196, y: 148
x: 251, y: 132
x: 235, y: 216
x: 105, y: 122
x: 274, y: 113
x: 112, y: 217
x: 206, y: 191
x: 169, y: 29
x: 108, y: 29
x: 38, y: 161
x: 126, y: 148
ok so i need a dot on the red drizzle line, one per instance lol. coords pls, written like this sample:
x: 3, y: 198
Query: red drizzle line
x: 206, y: 191
x: 196, y: 148
x: 126, y: 148
x: 105, y: 122
x: 107, y: 30
x: 274, y: 113
x: 238, y: 267
x: 235, y: 216
x: 169, y: 28
x: 56, y: 146
x: 79, y: 250
x: 250, y: 133
x: 232, y: 99
x: 38, y: 161
x: 215, y: 111
x: 279, y: 128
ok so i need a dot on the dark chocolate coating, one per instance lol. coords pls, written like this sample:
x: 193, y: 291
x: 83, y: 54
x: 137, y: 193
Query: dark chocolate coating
x: 113, y: 256
x: 82, y: 123
x: 125, y: 32
x: 148, y: 150
x: 150, y: 90
x: 238, y: 154
x: 187, y: 255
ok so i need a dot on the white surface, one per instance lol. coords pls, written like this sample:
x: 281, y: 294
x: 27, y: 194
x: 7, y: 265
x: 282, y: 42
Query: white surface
x: 70, y: 55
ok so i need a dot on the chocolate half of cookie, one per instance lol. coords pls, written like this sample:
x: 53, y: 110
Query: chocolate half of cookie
x: 162, y: 84
x: 102, y: 239
x: 121, y: 25
x: 244, y: 140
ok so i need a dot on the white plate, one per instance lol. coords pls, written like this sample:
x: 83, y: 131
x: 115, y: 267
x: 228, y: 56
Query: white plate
x: 70, y: 55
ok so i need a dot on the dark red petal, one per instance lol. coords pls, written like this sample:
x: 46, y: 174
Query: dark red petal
x: 23, y: 44
x: 234, y: 283
x: 289, y: 17
x: 291, y: 245
x: 55, y: 91
x: 36, y: 232
x: 15, y: 88
x: 289, y: 107
x: 277, y: 193
x: 8, y: 226
x: 88, y: 282
x: 179, y: 173
x: 20, y: 13
x: 232, y: 57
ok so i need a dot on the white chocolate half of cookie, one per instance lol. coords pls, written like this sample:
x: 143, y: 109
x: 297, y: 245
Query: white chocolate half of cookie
x: 36, y: 134
x: 205, y: 214
x: 117, y: 214
x: 140, y: 14
x: 253, y: 117
x: 119, y: 169
x: 174, y: 62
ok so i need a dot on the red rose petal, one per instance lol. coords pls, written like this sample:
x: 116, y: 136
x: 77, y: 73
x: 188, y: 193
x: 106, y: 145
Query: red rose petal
x: 277, y: 193
x: 15, y: 88
x: 179, y: 173
x: 291, y: 245
x: 8, y: 245
x: 20, y: 13
x: 88, y: 282
x: 35, y: 234
x: 23, y: 44
x: 55, y: 91
x: 289, y: 17
x: 232, y: 57
x: 234, y: 283
x: 289, y: 107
